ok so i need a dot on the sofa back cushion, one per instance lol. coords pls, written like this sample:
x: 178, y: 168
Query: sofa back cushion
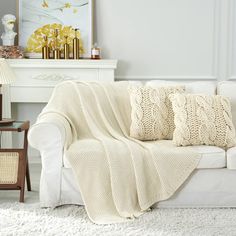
x: 228, y: 89
x: 197, y: 87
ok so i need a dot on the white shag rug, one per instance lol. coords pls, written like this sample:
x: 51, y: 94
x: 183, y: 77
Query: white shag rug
x: 30, y: 219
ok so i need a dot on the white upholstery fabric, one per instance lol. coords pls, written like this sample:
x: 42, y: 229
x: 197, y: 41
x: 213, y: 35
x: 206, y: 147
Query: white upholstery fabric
x: 231, y: 158
x: 211, y: 157
x: 228, y: 89
x: 206, y: 188
x: 49, y: 139
x: 66, y: 162
x: 198, y: 87
x: 70, y: 193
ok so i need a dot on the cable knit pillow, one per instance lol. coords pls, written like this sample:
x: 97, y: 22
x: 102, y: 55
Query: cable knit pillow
x: 152, y: 117
x: 202, y: 119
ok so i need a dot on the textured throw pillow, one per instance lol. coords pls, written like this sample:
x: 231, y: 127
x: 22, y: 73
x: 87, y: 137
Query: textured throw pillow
x: 202, y: 119
x: 152, y: 117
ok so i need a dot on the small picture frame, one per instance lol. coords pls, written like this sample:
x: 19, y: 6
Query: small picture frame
x: 40, y: 18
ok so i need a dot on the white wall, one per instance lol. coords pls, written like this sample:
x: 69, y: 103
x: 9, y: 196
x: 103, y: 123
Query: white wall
x: 232, y: 42
x: 165, y: 38
x: 158, y: 38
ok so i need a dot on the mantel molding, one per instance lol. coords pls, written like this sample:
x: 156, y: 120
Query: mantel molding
x: 67, y: 64
x: 36, y: 78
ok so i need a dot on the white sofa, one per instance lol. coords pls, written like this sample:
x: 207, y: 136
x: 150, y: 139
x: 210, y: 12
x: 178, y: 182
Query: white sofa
x: 212, y: 184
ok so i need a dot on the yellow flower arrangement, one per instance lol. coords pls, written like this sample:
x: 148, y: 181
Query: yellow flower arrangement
x: 36, y: 40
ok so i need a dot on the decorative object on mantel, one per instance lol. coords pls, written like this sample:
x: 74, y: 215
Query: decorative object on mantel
x: 8, y: 37
x: 45, y: 49
x: 76, y: 46
x: 66, y: 48
x: 95, y: 52
x: 40, y: 18
x: 8, y: 50
x: 56, y: 50
x: 7, y: 76
x: 11, y: 52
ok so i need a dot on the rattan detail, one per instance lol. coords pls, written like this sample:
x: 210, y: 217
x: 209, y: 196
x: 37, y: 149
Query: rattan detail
x: 9, y: 162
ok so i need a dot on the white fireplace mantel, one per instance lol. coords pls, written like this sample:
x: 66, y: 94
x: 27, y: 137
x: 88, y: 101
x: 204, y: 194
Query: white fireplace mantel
x: 36, y: 78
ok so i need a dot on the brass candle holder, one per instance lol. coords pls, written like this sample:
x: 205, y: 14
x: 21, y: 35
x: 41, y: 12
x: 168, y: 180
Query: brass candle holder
x: 52, y: 49
x: 45, y: 49
x: 56, y: 51
x: 76, y: 46
x: 66, y: 49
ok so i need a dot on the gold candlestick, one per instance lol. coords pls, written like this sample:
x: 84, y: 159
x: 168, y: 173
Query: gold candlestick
x: 45, y: 49
x: 56, y: 54
x: 66, y: 49
x: 76, y: 46
x: 56, y: 51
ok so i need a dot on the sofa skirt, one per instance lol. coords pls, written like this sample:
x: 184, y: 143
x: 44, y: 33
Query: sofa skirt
x: 204, y: 188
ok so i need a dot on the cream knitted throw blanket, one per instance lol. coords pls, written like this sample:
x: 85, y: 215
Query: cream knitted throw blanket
x: 119, y: 177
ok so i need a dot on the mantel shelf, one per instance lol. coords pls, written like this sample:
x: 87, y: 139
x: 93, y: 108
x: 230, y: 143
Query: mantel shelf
x: 80, y: 64
x: 36, y: 78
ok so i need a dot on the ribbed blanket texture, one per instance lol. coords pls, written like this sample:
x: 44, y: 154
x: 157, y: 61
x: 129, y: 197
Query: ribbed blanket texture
x: 119, y: 177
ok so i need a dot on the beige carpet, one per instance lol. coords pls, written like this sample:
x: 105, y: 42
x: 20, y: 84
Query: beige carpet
x: 29, y: 219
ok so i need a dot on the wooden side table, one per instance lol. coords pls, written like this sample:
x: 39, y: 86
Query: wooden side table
x: 14, y: 168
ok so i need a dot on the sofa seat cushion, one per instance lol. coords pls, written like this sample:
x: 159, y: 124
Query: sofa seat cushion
x: 211, y: 157
x: 231, y: 158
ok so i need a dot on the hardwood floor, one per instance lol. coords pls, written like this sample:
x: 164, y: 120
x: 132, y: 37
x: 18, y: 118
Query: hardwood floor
x: 10, y: 196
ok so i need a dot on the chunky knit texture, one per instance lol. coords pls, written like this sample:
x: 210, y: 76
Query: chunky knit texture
x: 119, y: 177
x: 152, y: 115
x: 202, y: 119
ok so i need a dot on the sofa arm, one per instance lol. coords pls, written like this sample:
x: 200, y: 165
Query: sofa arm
x: 48, y: 130
x: 49, y: 135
